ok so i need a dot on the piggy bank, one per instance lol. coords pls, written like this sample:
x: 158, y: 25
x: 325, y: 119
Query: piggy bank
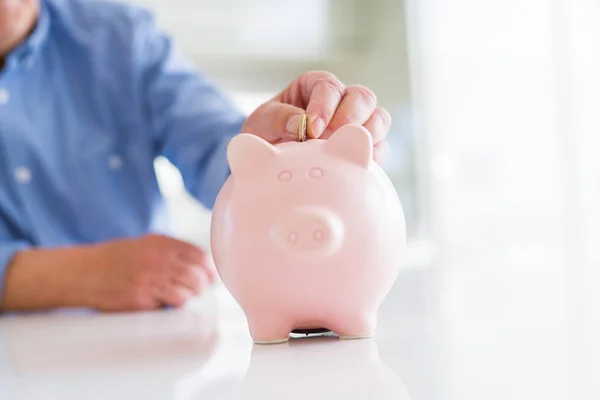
x: 307, y: 235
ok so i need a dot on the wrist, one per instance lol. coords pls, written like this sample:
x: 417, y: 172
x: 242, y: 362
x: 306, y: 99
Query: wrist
x: 44, y: 279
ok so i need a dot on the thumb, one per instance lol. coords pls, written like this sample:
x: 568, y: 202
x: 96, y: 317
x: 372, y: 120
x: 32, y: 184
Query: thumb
x: 275, y: 122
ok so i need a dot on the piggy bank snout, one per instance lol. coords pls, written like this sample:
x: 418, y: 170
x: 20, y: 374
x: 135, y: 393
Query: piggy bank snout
x: 308, y: 230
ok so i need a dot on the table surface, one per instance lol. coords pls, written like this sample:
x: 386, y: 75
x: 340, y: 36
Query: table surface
x: 477, y: 330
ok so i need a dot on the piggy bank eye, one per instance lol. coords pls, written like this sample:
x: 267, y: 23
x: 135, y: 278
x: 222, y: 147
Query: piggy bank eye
x: 285, y: 176
x: 315, y: 173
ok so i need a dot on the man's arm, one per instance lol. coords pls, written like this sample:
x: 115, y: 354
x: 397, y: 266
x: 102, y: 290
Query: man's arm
x: 190, y: 122
x: 130, y: 274
x: 191, y: 119
x: 40, y: 278
x: 32, y: 278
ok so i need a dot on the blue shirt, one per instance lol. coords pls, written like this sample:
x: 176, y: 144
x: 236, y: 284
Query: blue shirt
x: 87, y: 103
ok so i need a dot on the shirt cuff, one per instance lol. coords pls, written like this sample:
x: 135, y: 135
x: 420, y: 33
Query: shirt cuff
x: 7, y: 252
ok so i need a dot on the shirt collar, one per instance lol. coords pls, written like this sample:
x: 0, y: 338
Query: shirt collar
x: 32, y: 44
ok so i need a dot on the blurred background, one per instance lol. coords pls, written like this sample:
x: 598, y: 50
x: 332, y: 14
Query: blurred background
x: 496, y: 104
x: 495, y: 146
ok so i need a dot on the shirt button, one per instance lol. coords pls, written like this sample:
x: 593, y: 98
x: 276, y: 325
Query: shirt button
x: 115, y: 162
x: 22, y: 175
x: 4, y: 96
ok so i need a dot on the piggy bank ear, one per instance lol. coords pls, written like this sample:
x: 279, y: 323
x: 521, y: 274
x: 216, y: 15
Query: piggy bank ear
x: 352, y: 143
x: 246, y: 153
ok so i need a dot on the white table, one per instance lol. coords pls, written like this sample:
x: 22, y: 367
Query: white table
x: 487, y: 329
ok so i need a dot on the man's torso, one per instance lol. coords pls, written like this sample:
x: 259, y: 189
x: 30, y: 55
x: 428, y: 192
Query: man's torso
x: 76, y: 159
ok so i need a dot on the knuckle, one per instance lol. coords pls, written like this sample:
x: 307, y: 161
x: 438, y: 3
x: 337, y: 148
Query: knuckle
x: 384, y: 115
x: 336, y: 86
x: 146, y: 260
x: 319, y: 74
x: 365, y: 94
x: 327, y: 78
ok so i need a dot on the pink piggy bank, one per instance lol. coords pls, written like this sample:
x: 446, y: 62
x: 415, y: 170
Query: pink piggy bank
x: 307, y: 235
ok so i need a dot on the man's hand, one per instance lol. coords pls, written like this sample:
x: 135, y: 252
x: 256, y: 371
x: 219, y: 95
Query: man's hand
x: 146, y: 273
x: 130, y: 274
x: 329, y: 105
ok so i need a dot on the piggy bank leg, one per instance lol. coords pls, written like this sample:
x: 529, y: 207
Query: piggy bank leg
x: 268, y: 330
x: 354, y: 326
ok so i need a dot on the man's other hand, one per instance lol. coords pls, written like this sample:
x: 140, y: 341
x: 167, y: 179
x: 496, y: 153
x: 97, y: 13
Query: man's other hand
x: 144, y: 273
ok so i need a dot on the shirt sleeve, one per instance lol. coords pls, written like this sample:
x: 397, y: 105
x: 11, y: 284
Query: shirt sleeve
x: 191, y: 119
x: 10, y: 243
x: 7, y: 251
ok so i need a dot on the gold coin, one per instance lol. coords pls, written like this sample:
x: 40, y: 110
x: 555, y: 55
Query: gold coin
x: 302, y: 128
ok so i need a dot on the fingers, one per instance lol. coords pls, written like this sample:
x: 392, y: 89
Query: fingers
x: 275, y: 122
x: 166, y: 244
x: 356, y: 107
x: 174, y: 295
x: 179, y: 252
x: 193, y: 277
x: 324, y: 93
x: 185, y: 282
x: 197, y: 257
x: 205, y: 280
x: 379, y: 124
x: 189, y: 252
x: 211, y: 272
x: 180, y: 282
x: 380, y: 151
x: 329, y: 105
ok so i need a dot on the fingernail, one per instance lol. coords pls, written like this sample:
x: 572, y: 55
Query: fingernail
x: 293, y: 124
x: 316, y: 126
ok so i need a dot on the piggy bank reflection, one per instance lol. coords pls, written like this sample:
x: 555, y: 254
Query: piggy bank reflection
x: 308, y: 235
x: 318, y: 368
